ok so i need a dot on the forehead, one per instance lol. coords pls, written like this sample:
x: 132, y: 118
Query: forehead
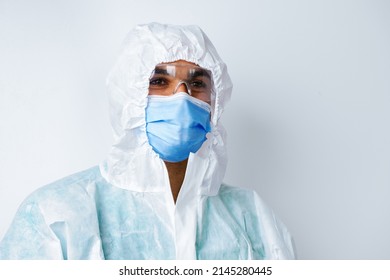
x: 179, y: 66
x: 182, y: 63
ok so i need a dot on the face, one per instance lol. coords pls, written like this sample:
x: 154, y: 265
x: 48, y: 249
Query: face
x: 181, y: 76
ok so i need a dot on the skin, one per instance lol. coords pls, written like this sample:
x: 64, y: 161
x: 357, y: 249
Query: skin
x: 177, y: 170
x: 176, y: 173
x: 162, y: 83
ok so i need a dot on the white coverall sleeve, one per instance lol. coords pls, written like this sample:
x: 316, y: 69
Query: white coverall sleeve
x: 276, y: 238
x: 29, y: 237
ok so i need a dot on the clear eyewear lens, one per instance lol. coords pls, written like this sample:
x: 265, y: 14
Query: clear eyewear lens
x: 169, y: 79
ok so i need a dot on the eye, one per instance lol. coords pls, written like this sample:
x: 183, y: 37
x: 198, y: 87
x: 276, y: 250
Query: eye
x: 198, y: 84
x: 158, y: 82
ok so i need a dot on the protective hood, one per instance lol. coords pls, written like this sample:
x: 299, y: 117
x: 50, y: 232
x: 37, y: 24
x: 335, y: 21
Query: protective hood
x: 132, y: 164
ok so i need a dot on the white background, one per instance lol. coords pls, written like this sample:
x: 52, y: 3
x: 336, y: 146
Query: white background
x: 308, y: 122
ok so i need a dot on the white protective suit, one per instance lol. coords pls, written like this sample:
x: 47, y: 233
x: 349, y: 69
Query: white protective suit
x: 124, y: 208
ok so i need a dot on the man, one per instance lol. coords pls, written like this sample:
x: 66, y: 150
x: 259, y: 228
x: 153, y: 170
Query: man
x: 159, y: 194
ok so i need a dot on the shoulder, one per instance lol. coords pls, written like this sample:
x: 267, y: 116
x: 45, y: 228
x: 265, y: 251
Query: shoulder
x: 54, y: 216
x: 244, y: 197
x: 76, y: 182
x: 237, y: 196
x: 227, y: 189
x: 274, y: 233
x: 71, y: 192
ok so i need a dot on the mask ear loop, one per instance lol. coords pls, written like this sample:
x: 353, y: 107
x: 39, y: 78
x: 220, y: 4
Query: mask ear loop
x: 179, y: 84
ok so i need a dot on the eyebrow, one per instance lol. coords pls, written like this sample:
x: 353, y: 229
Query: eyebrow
x: 161, y: 71
x: 200, y: 73
x: 193, y: 74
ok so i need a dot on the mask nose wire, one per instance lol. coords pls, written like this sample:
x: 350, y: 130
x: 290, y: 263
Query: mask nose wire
x: 181, y: 83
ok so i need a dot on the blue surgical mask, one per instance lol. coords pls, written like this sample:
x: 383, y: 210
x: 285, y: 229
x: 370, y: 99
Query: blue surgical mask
x: 176, y: 125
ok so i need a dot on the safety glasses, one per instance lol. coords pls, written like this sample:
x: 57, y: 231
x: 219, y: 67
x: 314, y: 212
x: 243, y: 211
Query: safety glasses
x: 168, y: 79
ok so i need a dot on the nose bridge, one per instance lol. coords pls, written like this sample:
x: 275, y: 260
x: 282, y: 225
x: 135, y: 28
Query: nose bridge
x: 182, y: 86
